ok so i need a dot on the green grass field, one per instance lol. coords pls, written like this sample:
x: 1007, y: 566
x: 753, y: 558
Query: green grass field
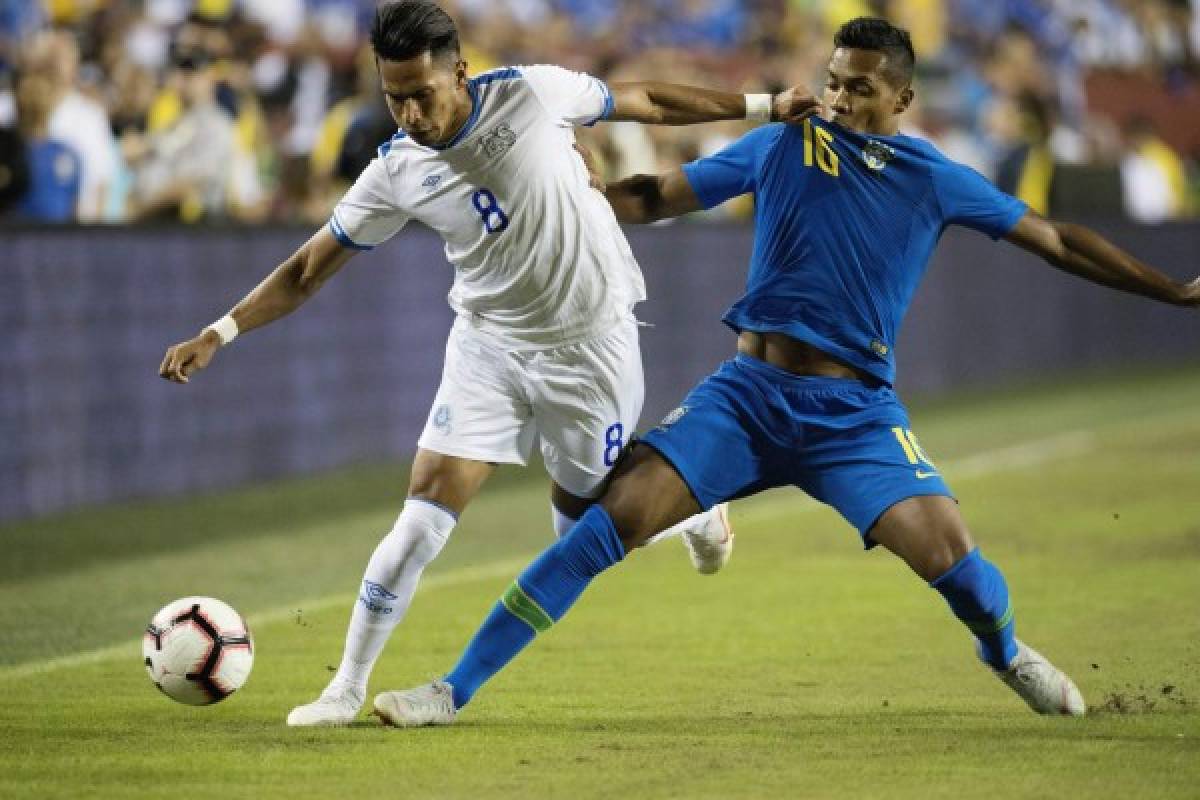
x: 806, y: 669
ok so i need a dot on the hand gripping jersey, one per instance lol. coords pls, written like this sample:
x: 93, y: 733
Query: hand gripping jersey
x: 539, y: 257
x: 845, y: 224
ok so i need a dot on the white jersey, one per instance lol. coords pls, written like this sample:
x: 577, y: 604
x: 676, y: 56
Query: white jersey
x: 538, y: 255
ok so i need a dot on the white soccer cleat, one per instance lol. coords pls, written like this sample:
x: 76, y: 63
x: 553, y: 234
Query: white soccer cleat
x: 711, y: 543
x: 1045, y: 687
x: 335, y: 707
x: 429, y: 704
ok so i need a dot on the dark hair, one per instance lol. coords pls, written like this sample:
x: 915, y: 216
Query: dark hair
x: 872, y: 33
x: 408, y: 28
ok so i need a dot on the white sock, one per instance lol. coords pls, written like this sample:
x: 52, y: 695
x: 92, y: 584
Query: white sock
x: 562, y: 523
x: 694, y: 524
x: 389, y: 583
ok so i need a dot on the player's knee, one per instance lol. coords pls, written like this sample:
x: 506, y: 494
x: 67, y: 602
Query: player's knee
x: 639, y: 510
x: 415, y: 539
x: 646, y: 496
x: 435, y: 484
x: 927, y: 532
x: 447, y: 481
x: 632, y: 513
x: 633, y: 525
x: 948, y: 545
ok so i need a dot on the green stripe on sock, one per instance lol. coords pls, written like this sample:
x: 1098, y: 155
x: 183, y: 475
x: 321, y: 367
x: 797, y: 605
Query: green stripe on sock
x: 525, y: 608
x: 987, y: 628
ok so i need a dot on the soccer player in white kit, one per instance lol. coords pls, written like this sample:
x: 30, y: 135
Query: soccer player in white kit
x: 545, y: 345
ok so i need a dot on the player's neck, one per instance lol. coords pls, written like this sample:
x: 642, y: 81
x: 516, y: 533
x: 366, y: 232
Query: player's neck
x: 886, y: 127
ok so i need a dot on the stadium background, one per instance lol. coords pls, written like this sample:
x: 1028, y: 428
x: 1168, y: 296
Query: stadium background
x: 199, y: 142
x: 146, y: 186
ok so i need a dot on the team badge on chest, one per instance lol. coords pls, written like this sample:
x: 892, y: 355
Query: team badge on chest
x: 876, y: 155
x: 498, y: 140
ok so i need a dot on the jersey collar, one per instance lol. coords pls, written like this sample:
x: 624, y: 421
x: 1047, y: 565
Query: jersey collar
x: 471, y: 120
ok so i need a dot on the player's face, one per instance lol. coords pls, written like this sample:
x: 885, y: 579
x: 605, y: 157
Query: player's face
x: 427, y: 97
x: 858, y: 94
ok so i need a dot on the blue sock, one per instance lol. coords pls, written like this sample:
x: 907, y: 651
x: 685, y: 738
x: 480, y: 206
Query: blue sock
x: 978, y: 596
x: 537, y: 599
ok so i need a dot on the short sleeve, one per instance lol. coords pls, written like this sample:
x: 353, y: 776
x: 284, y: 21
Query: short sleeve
x: 572, y: 98
x: 368, y: 215
x: 969, y: 199
x: 734, y: 170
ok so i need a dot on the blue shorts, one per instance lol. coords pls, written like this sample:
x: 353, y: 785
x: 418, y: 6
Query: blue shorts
x: 751, y: 426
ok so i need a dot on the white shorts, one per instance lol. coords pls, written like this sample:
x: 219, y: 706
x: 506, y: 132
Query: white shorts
x: 581, y: 401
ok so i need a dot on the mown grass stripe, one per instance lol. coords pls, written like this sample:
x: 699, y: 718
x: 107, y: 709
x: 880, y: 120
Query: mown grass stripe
x: 979, y: 465
x: 1026, y: 454
x: 129, y: 649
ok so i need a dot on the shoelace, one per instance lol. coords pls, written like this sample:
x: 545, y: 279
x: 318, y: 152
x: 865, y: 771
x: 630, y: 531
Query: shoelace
x: 437, y: 689
x: 443, y: 693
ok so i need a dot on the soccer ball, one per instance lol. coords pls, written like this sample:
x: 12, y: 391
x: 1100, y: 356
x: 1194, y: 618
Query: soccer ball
x: 198, y: 650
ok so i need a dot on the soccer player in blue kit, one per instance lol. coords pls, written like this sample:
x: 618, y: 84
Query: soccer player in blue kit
x: 848, y: 212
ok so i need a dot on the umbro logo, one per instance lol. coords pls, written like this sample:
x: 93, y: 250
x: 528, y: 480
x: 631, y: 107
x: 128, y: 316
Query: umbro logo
x: 431, y: 181
x: 375, y: 596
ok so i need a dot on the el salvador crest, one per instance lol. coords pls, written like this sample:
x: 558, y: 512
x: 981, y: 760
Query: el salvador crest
x: 498, y: 140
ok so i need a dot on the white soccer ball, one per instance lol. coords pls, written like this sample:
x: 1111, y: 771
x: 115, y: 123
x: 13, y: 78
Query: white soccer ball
x: 198, y: 650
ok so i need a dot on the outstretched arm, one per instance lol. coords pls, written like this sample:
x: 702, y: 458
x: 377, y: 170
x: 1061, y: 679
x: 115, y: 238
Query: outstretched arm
x: 282, y: 292
x: 648, y: 198
x: 642, y: 199
x: 1083, y: 252
x: 703, y: 183
x: 657, y: 103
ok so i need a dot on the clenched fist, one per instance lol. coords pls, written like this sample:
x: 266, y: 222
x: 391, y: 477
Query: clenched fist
x: 794, y: 105
x: 186, y: 357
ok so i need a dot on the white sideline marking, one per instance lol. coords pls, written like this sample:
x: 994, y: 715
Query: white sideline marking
x: 1019, y: 456
x: 130, y: 650
x: 1027, y: 454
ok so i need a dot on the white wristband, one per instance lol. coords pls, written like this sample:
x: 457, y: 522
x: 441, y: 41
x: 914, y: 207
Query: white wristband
x: 758, y: 107
x: 225, y: 328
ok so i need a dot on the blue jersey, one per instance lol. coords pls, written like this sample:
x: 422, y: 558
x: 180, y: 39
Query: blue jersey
x: 54, y: 180
x: 844, y: 227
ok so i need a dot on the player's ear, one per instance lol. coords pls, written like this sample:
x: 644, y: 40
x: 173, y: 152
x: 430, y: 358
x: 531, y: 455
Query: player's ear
x: 904, y: 99
x: 460, y: 73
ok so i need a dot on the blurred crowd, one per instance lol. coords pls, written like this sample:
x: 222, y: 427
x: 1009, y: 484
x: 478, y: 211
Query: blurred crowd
x: 119, y: 111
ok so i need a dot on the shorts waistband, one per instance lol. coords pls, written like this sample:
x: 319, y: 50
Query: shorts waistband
x: 545, y: 341
x: 778, y: 374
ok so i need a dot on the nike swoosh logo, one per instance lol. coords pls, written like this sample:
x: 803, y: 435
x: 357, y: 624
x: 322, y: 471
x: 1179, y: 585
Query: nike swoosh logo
x: 922, y: 475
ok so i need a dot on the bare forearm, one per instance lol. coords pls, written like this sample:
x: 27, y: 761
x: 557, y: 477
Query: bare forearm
x: 278, y: 295
x: 636, y: 199
x: 1087, y: 254
x: 647, y: 198
x: 657, y: 103
x: 290, y: 284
